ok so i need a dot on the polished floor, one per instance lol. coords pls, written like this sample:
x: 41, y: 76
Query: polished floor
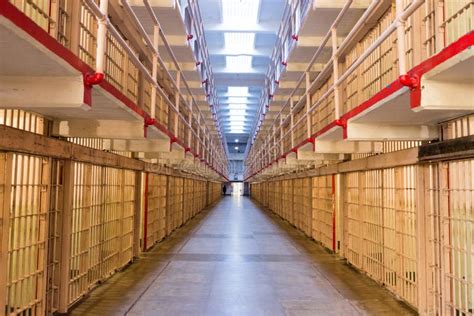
x: 237, y: 259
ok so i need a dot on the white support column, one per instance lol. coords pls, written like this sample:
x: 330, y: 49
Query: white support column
x: 308, y: 104
x: 335, y: 65
x: 401, y: 49
x: 101, y: 37
x: 156, y: 44
x: 292, y: 122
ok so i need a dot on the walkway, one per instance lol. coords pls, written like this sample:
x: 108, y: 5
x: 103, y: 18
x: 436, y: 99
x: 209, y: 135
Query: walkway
x: 237, y: 259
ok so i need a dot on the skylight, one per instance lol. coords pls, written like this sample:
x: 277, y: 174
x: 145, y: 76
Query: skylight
x: 237, y: 112
x: 238, y: 100
x: 236, y: 123
x: 236, y: 131
x: 241, y: 42
x: 237, y: 12
x: 237, y: 91
x: 237, y: 106
x: 239, y: 62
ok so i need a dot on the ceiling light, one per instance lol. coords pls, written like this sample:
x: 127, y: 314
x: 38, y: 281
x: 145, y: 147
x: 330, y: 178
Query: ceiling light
x: 237, y: 91
x: 236, y: 148
x: 238, y: 41
x: 236, y: 106
x: 236, y: 124
x: 237, y: 99
x: 239, y: 62
x: 237, y: 112
x: 236, y: 140
x: 238, y: 12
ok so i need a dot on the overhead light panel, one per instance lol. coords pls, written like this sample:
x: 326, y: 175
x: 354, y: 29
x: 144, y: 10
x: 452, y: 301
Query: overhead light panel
x: 239, y: 41
x: 240, y: 63
x: 238, y: 12
x: 237, y: 91
x: 237, y: 112
x: 237, y: 99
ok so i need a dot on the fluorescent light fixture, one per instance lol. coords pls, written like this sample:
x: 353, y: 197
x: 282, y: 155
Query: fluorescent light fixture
x: 238, y: 12
x: 236, y: 124
x: 237, y: 119
x: 237, y: 41
x: 237, y: 91
x: 238, y: 63
x: 237, y: 112
x: 237, y: 99
x: 236, y: 106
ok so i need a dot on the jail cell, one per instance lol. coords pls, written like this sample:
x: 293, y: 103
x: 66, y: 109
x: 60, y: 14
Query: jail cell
x: 170, y: 206
x: 399, y: 231
x: 323, y: 210
x: 302, y: 204
x: 26, y: 279
x: 151, y: 216
x: 380, y: 227
x: 188, y: 199
x: 87, y: 35
x: 457, y: 251
x: 126, y: 228
x: 39, y: 11
x: 287, y: 201
x: 278, y: 198
x: 23, y: 120
x: 457, y: 20
x: 103, y: 198
x: 265, y: 194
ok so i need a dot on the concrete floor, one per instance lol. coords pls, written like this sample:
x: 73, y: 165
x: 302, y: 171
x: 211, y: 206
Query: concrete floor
x: 236, y: 259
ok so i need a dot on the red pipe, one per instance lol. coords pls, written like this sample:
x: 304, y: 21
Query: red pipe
x: 93, y: 79
x: 410, y: 81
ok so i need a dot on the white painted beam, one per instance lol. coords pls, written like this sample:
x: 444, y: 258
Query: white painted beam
x: 385, y: 132
x: 347, y: 147
x: 137, y: 145
x: 27, y: 92
x: 110, y: 129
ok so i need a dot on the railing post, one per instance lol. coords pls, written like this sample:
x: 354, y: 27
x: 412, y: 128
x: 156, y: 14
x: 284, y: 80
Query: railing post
x: 6, y: 164
x: 64, y: 263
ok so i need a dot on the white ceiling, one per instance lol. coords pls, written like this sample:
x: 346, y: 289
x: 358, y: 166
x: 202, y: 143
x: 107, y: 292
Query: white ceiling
x: 240, y: 35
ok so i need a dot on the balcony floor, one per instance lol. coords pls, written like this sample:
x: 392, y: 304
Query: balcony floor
x: 236, y: 259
